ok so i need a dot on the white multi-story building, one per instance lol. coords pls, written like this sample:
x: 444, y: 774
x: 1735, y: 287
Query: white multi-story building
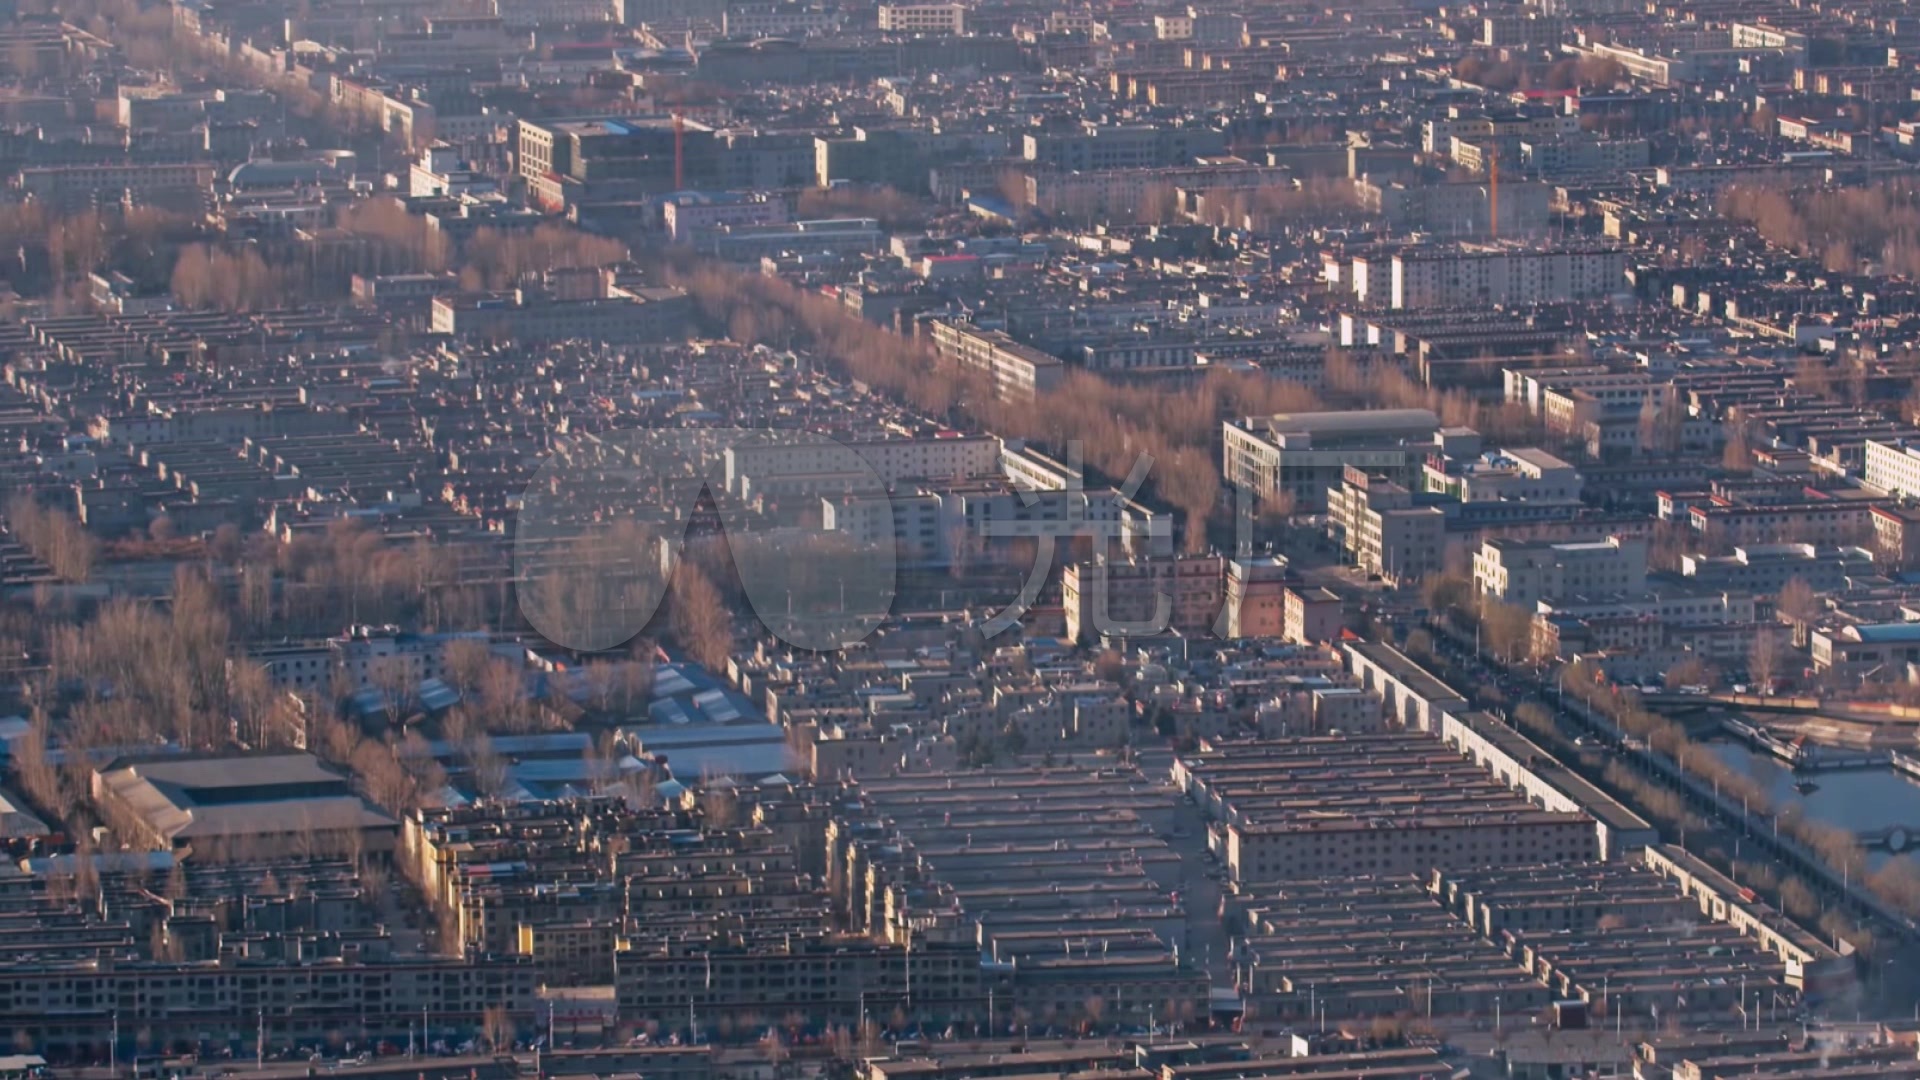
x: 1892, y: 467
x: 1305, y: 455
x: 777, y: 20
x: 691, y: 216
x: 923, y: 18
x: 1376, y: 523
x: 1524, y: 572
x: 1525, y: 473
x: 765, y: 470
x: 1482, y: 276
x: 1018, y: 371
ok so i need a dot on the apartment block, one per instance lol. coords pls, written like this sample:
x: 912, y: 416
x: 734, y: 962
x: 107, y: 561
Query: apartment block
x: 1382, y: 531
x: 923, y: 18
x: 1304, y: 456
x: 1143, y: 597
x: 1523, y: 572
x: 1401, y: 803
x: 1486, y: 276
x: 1256, y: 597
x: 1313, y: 616
x: 1019, y: 372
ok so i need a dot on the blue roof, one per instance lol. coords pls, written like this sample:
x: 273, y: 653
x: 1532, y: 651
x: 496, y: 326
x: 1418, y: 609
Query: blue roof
x: 160, y: 862
x: 657, y: 740
x: 1889, y: 632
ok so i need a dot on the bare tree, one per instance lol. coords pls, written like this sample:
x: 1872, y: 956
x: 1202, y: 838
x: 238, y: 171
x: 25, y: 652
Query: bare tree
x: 497, y: 1028
x: 466, y: 662
x: 700, y: 621
x: 1764, y: 659
x: 392, y: 677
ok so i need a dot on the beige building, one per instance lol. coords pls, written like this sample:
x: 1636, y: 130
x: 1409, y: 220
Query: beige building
x: 1313, y: 616
x: 1256, y: 597
x: 1143, y: 597
x: 923, y: 19
x: 1304, y: 456
x: 829, y: 981
x: 1019, y: 372
x: 1375, y: 522
x: 1483, y: 276
x: 1524, y: 572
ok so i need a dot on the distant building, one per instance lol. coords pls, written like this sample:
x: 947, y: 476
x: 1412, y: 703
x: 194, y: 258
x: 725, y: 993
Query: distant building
x: 1121, y: 146
x: 1522, y: 572
x: 1486, y: 276
x: 691, y: 216
x: 1381, y: 530
x: 1305, y: 455
x: 757, y: 20
x: 1460, y: 209
x: 1256, y: 597
x: 1019, y: 372
x: 76, y: 187
x: 1896, y: 536
x: 923, y: 19
x: 240, y: 806
x: 1892, y: 467
x: 628, y: 316
x: 1766, y: 568
x: 1881, y: 652
x: 744, y: 242
x: 1142, y: 597
x: 1313, y: 616
x: 1524, y: 473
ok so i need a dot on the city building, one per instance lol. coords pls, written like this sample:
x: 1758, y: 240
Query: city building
x: 923, y: 18
x: 1313, y: 616
x: 1302, y: 457
x: 1524, y: 572
x: 1143, y: 597
x: 1256, y: 597
x: 219, y: 807
x: 1766, y: 568
x: 1019, y: 372
x: 1504, y: 275
x: 1381, y: 530
x: 1406, y: 804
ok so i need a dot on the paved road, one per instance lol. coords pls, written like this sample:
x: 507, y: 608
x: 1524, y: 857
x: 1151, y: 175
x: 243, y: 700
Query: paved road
x: 1201, y: 878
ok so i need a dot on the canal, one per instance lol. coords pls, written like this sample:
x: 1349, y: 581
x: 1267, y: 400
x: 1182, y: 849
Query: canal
x: 1854, y: 799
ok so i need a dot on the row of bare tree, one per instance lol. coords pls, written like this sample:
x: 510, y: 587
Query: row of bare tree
x: 380, y: 237
x: 54, y: 537
x: 1839, y: 227
x: 1114, y: 425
